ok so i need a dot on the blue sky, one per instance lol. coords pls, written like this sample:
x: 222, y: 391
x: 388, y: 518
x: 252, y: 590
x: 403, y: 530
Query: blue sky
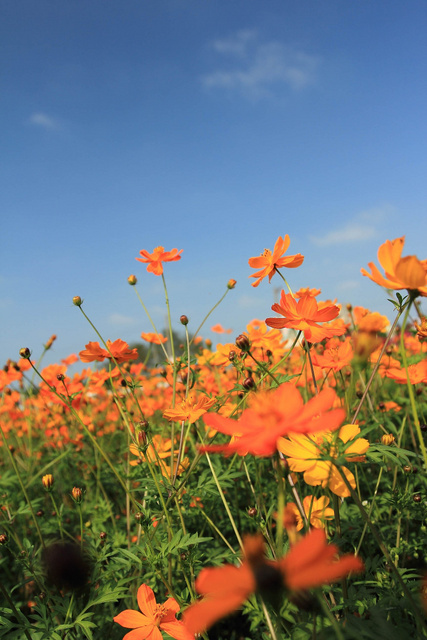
x: 212, y: 127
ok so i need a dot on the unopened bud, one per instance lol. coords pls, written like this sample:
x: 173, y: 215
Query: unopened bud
x: 388, y: 438
x: 242, y: 342
x: 232, y: 355
x: 417, y: 497
x: 132, y: 280
x: 183, y: 320
x: 50, y: 342
x: 102, y: 535
x: 252, y: 512
x: 77, y: 301
x: 231, y: 284
x: 248, y: 383
x: 77, y: 495
x: 3, y: 538
x: 60, y: 377
x: 47, y: 481
x: 25, y: 353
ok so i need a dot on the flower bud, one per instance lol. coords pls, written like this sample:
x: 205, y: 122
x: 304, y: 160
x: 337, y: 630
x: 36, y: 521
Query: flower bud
x: 40, y: 513
x: 77, y: 301
x: 388, y: 438
x: 3, y: 538
x: 242, y: 342
x: 132, y: 280
x: 183, y: 320
x: 248, y: 383
x: 252, y: 512
x: 77, y: 495
x: 60, y: 377
x: 50, y: 342
x: 232, y: 355
x: 102, y: 535
x: 417, y: 497
x: 25, y: 353
x: 47, y: 481
x: 231, y: 284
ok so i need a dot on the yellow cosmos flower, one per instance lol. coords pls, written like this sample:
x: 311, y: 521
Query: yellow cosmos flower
x: 305, y: 454
x: 316, y: 510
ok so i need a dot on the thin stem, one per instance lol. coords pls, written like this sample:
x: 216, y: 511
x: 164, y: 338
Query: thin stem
x: 151, y: 320
x: 377, y: 364
x: 208, y: 314
x: 23, y: 489
x: 410, y: 387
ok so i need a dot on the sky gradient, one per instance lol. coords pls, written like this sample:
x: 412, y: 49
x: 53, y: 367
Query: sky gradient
x: 212, y: 127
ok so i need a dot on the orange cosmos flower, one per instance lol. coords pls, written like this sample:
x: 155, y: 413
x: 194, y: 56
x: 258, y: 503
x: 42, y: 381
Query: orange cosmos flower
x: 154, y: 338
x: 272, y: 414
x: 155, y: 260
x: 218, y: 328
x: 311, y: 562
x: 190, y: 409
x: 304, y: 315
x: 119, y: 350
x: 268, y: 262
x: 336, y: 355
x: 307, y: 291
x: 400, y: 273
x: 316, y: 509
x: 154, y: 617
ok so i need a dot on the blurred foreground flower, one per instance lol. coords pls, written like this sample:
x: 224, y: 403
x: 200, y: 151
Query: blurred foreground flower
x: 268, y: 262
x: 310, y: 563
x: 400, y: 273
x: 272, y: 414
x: 119, y: 350
x: 153, y: 619
x: 155, y: 260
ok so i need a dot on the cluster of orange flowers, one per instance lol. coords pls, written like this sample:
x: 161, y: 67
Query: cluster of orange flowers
x: 275, y: 418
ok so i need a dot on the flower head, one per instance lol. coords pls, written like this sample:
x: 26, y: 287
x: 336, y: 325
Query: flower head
x: 268, y: 261
x: 155, y: 260
x: 118, y: 350
x: 190, y: 409
x: 154, y: 617
x: 154, y: 338
x: 310, y: 563
x: 400, y: 273
x: 272, y: 414
x: 306, y: 454
x: 305, y: 315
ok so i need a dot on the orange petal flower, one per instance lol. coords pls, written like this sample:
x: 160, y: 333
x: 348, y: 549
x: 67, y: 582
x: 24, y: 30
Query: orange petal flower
x: 310, y: 563
x: 190, y: 409
x: 218, y: 328
x: 153, y: 618
x: 272, y: 414
x: 268, y: 262
x: 400, y: 273
x: 154, y: 338
x: 119, y: 350
x: 155, y: 260
x: 304, y: 315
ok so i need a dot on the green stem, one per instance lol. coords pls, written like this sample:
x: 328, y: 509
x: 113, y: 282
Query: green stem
x: 410, y: 387
x: 377, y: 364
x: 23, y: 489
x: 384, y: 549
x: 207, y: 315
x: 151, y: 320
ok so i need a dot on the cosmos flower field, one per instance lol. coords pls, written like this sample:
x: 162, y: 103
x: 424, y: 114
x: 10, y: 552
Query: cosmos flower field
x: 270, y: 487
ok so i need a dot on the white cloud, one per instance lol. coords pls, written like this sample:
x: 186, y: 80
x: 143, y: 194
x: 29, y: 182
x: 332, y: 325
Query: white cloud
x: 118, y: 319
x: 361, y: 228
x: 258, y: 69
x: 348, y: 284
x: 352, y: 232
x: 43, y: 120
